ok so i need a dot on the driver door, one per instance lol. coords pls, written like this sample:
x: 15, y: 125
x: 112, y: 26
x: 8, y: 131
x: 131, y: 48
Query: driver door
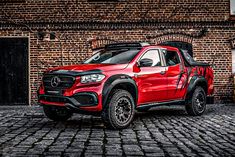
x: 151, y: 80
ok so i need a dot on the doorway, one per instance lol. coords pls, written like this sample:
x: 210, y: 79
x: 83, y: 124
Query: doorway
x: 14, y: 86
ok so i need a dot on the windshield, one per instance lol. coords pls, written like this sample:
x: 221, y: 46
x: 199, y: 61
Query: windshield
x: 118, y: 56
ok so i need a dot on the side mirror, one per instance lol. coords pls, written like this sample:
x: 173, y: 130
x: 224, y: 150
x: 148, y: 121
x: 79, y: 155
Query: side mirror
x: 146, y: 62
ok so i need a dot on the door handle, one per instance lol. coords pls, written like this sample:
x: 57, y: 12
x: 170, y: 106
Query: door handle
x: 137, y: 75
x: 162, y: 72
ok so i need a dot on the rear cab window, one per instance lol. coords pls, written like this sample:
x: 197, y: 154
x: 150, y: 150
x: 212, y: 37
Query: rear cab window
x: 171, y: 57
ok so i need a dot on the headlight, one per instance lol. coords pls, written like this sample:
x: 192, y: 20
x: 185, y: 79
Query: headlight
x: 92, y: 78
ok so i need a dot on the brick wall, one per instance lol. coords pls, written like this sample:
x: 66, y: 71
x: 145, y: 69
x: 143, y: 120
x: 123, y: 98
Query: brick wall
x: 122, y: 10
x: 81, y: 26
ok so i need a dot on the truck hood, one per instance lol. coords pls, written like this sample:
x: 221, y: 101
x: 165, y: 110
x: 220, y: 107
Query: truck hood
x: 89, y: 67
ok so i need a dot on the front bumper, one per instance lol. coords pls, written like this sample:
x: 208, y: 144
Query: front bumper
x: 78, y: 100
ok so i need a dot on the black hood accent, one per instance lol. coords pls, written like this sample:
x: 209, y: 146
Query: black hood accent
x: 73, y: 73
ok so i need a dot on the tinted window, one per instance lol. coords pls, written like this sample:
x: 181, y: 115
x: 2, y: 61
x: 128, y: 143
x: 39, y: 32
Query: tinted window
x: 119, y: 56
x: 172, y: 58
x: 154, y: 55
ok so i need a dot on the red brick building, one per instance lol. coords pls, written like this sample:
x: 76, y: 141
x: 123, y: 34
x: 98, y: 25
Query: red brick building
x: 37, y: 34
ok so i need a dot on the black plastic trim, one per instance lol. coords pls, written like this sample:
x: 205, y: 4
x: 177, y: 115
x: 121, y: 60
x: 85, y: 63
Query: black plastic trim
x: 75, y: 109
x: 126, y: 45
x: 195, y: 80
x: 154, y: 104
x: 115, y: 80
x: 73, y: 73
x: 72, y: 101
x: 92, y: 94
x: 192, y: 63
x: 199, y: 64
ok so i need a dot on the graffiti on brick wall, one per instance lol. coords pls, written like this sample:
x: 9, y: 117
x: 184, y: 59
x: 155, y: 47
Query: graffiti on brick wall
x: 148, y: 11
x: 74, y: 11
x: 187, y: 10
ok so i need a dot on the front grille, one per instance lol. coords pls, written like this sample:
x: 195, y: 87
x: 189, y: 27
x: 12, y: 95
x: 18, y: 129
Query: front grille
x: 65, y: 81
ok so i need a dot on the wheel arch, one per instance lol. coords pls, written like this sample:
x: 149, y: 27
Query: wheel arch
x: 194, y: 82
x: 120, y: 81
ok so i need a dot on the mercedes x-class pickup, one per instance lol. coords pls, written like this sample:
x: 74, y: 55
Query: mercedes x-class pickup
x: 123, y: 78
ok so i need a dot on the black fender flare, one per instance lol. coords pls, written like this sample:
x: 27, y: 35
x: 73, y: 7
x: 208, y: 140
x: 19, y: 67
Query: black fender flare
x: 195, y: 80
x: 114, y: 80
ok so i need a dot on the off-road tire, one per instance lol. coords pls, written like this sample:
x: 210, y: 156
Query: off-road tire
x: 196, y: 104
x: 57, y: 113
x: 120, y: 106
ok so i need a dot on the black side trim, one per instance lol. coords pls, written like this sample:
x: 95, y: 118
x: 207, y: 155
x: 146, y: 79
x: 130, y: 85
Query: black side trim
x: 149, y: 105
x: 115, y: 80
x: 74, y: 73
x: 195, y: 80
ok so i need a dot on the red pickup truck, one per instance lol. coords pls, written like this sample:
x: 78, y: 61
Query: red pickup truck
x: 124, y: 77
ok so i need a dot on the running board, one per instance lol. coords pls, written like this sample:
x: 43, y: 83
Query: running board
x: 175, y: 102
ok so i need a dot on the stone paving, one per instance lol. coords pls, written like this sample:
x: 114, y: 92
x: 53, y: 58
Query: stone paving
x: 166, y: 131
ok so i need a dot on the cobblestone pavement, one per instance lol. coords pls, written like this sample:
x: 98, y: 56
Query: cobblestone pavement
x: 24, y: 131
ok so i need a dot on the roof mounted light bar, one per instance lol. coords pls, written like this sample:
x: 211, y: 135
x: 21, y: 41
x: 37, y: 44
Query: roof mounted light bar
x: 127, y: 45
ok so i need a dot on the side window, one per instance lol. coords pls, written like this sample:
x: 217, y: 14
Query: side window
x: 171, y: 58
x: 154, y: 55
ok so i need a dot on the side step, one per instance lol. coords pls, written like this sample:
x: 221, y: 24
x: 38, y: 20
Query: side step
x: 150, y: 105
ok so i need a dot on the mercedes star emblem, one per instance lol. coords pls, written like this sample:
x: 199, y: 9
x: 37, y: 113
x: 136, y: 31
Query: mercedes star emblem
x: 55, y: 81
